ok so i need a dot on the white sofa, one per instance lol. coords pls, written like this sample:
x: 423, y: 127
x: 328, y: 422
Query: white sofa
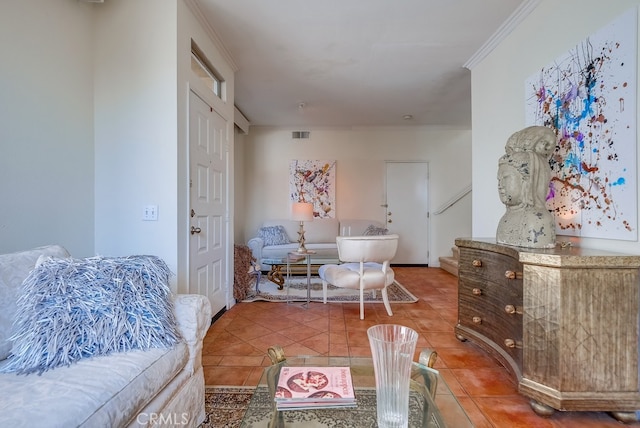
x: 320, y: 236
x: 157, y: 387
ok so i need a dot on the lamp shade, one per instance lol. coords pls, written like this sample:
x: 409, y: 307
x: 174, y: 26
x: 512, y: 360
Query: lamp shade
x: 302, y: 211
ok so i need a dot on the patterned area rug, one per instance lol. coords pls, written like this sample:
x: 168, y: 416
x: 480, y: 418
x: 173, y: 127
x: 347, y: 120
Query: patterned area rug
x: 226, y: 407
x: 268, y: 291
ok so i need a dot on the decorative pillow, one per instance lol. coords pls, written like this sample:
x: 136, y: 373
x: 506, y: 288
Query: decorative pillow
x: 374, y: 230
x: 14, y: 268
x: 273, y: 235
x: 71, y: 309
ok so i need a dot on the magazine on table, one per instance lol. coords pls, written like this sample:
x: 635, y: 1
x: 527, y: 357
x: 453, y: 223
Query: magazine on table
x: 314, y: 387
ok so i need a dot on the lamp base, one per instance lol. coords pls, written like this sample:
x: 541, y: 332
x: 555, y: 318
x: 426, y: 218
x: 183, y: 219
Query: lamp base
x: 301, y: 248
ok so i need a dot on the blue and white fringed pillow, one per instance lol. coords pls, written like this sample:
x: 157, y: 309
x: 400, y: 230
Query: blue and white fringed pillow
x: 71, y: 309
x: 273, y: 235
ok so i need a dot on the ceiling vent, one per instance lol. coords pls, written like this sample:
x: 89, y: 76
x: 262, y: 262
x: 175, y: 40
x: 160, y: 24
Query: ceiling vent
x: 300, y: 135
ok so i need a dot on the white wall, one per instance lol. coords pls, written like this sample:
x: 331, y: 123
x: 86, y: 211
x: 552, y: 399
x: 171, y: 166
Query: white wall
x: 361, y: 154
x: 498, y: 95
x: 46, y: 125
x: 135, y: 128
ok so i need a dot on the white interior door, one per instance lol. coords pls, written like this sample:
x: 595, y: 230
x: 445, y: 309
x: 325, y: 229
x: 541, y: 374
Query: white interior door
x: 208, y: 151
x: 407, y: 185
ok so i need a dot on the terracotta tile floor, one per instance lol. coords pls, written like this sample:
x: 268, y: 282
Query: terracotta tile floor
x: 235, y: 348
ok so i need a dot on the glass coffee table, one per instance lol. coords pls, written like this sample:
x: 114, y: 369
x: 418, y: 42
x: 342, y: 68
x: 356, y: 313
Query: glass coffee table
x: 432, y: 404
x: 295, y: 264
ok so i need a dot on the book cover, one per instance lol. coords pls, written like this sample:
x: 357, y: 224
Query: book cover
x: 314, y: 386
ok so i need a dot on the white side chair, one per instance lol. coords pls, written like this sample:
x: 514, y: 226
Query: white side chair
x: 365, y: 266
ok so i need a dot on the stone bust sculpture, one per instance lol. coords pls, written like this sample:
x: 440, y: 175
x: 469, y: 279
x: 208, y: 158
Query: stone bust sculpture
x: 523, y: 184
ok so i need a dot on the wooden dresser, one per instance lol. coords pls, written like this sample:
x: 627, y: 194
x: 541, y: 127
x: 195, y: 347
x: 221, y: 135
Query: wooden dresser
x: 564, y: 321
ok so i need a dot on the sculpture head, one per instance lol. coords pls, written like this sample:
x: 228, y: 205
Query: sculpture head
x: 524, y: 174
x: 523, y: 179
x: 510, y: 185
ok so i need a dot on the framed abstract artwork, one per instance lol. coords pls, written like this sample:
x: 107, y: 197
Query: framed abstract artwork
x: 588, y: 96
x: 314, y: 181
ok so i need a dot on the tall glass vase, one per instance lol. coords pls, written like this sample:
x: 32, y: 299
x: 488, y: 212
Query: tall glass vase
x: 392, y: 348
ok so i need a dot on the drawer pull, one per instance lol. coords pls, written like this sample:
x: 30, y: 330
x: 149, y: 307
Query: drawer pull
x: 512, y: 309
x: 477, y: 320
x: 477, y: 292
x: 477, y: 263
x: 512, y: 343
x: 513, y: 275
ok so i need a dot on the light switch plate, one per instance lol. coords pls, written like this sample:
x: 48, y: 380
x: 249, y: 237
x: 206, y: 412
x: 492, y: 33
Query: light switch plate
x: 150, y: 213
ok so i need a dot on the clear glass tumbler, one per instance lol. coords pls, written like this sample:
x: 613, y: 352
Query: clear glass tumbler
x: 392, y: 348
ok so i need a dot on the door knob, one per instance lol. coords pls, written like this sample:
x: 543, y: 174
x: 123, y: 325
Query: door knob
x: 195, y: 230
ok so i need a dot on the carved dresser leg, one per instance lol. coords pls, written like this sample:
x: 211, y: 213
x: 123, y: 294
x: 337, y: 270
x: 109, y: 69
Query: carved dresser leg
x: 541, y: 409
x: 625, y: 417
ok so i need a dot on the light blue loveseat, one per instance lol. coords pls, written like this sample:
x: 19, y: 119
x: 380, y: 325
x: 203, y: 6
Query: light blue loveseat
x: 320, y: 236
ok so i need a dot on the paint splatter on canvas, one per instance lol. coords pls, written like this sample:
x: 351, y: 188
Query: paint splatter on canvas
x: 314, y: 181
x: 588, y: 96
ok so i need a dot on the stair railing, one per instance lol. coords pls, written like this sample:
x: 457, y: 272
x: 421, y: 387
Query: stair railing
x: 453, y: 200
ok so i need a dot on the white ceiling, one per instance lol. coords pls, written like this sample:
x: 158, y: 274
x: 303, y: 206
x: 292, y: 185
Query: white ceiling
x: 354, y: 62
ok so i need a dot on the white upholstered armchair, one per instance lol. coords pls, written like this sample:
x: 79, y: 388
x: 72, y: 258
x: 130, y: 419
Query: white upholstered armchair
x: 366, y: 265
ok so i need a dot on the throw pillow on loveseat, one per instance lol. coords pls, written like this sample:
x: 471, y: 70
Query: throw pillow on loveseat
x: 71, y: 309
x: 159, y: 386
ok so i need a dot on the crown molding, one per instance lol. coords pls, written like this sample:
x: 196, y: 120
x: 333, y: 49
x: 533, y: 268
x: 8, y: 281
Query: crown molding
x: 217, y: 40
x: 503, y: 31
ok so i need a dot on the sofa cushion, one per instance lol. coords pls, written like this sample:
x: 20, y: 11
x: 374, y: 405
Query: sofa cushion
x: 107, y: 391
x: 71, y: 309
x: 318, y: 230
x: 347, y: 275
x: 14, y: 268
x: 278, y: 252
x: 357, y: 227
x: 273, y: 235
x: 321, y: 230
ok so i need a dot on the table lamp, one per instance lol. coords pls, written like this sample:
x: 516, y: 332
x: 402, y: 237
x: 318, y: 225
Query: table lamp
x: 301, y: 211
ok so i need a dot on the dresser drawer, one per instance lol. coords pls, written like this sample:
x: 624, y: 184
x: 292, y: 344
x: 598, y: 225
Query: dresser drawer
x: 493, y: 267
x: 491, y: 320
x: 499, y: 294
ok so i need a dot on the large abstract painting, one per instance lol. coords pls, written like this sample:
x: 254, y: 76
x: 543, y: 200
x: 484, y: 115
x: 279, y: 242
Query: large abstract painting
x: 588, y: 96
x: 314, y: 181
